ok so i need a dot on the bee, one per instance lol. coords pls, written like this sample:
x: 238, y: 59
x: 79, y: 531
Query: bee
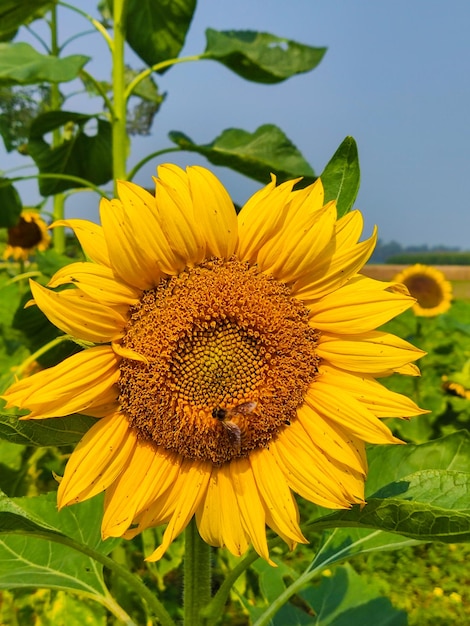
x: 233, y: 430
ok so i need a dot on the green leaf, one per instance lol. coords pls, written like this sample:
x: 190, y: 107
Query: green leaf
x: 341, y: 176
x: 80, y: 154
x: 425, y: 497
x: 21, y: 64
x: 30, y: 554
x: 256, y: 155
x: 16, y: 13
x: 344, y: 600
x: 261, y: 57
x: 57, y: 431
x: 156, y: 29
x: 389, y: 464
x: 10, y: 204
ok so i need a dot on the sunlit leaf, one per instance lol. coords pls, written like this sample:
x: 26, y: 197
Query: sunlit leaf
x: 82, y: 152
x: 21, y: 64
x: 10, y: 204
x: 156, y: 29
x: 30, y: 554
x: 261, y: 57
x: 254, y: 154
x: 341, y: 176
x: 57, y: 431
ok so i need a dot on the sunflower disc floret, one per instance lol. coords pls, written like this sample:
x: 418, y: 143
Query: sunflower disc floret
x: 233, y: 363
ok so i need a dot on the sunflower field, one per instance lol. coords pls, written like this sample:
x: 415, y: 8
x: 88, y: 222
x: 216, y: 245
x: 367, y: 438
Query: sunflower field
x: 212, y: 414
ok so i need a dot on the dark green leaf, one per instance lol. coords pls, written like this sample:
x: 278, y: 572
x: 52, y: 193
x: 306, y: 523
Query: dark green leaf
x: 10, y: 204
x: 256, y: 155
x: 156, y: 29
x: 80, y: 154
x: 21, y: 64
x: 58, y: 431
x: 417, y: 520
x: 345, y: 600
x: 15, y: 13
x: 341, y: 176
x: 261, y: 57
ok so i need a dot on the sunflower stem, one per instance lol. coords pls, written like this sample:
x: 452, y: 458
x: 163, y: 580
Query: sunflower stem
x: 197, y: 576
x: 119, y: 112
x: 58, y: 235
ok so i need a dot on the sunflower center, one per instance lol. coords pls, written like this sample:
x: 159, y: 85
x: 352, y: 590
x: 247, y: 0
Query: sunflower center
x: 24, y: 235
x: 229, y: 356
x: 425, y: 289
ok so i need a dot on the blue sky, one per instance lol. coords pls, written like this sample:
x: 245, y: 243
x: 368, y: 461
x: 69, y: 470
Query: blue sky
x: 395, y: 77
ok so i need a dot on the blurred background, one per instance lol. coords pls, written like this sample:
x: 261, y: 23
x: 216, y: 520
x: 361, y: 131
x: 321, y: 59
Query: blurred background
x: 395, y: 77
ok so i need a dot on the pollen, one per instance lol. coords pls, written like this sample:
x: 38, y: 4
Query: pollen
x: 229, y: 356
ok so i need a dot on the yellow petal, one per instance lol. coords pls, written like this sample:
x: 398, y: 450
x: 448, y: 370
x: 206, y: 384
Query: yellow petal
x: 127, y: 255
x: 214, y: 211
x: 73, y: 386
x: 277, y: 496
x: 334, y: 271
x: 145, y: 226
x: 78, y: 315
x: 98, y: 460
x: 192, y: 490
x: 91, y: 238
x: 176, y: 213
x: 343, y: 311
x: 306, y: 471
x: 377, y: 398
x: 372, y: 353
x: 218, y: 517
x: 250, y: 505
x: 149, y: 473
x: 262, y: 217
x: 338, y: 443
x: 336, y: 405
x: 98, y: 282
x: 302, y: 241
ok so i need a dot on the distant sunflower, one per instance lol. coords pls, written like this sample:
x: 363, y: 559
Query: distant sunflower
x: 235, y: 360
x: 28, y: 235
x: 429, y: 286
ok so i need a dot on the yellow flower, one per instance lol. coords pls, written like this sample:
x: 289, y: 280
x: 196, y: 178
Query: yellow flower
x: 28, y: 235
x: 235, y: 360
x: 429, y: 286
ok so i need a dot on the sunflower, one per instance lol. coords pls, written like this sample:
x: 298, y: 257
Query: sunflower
x: 233, y: 360
x: 29, y: 234
x: 429, y: 286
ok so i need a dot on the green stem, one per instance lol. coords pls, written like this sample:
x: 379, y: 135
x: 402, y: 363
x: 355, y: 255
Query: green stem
x: 211, y: 613
x: 58, y: 235
x: 97, y: 25
x: 156, y: 68
x: 42, y: 350
x: 75, y: 179
x: 148, y: 158
x: 119, y: 116
x: 99, y: 88
x: 197, y: 576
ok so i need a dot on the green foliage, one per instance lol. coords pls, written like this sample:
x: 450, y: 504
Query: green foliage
x: 446, y: 340
x: 256, y: 155
x: 156, y: 29
x: 87, y: 156
x: 20, y: 64
x: 341, y: 176
x: 10, y: 204
x: 16, y: 13
x: 261, y: 57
